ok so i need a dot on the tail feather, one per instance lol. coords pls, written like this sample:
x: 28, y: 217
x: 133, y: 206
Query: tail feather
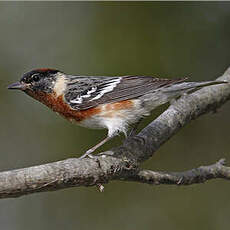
x: 171, y: 92
x: 191, y: 86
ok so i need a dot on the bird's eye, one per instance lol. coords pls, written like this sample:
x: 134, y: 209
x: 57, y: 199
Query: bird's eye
x: 36, y: 77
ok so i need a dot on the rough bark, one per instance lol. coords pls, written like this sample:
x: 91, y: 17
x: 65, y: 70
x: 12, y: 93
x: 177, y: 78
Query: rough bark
x: 123, y: 162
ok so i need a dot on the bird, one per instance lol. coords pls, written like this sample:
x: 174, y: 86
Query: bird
x: 103, y: 102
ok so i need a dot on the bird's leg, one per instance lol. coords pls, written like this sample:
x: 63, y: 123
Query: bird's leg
x: 133, y: 130
x: 88, y: 152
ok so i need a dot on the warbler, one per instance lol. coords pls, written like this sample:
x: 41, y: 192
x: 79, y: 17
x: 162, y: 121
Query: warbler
x: 103, y: 102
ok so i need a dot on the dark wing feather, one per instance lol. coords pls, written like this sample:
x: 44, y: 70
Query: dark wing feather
x: 87, y: 92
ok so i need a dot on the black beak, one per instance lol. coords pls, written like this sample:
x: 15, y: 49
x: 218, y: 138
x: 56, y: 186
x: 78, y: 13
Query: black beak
x: 17, y: 85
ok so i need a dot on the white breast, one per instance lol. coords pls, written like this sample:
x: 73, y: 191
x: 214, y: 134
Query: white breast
x: 115, y: 121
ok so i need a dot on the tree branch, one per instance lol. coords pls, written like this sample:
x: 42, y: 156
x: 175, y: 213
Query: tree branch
x: 194, y: 176
x: 122, y: 163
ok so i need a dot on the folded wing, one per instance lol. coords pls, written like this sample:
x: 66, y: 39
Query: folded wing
x: 87, y: 92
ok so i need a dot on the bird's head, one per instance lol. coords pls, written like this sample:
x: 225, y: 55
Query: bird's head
x: 38, y: 80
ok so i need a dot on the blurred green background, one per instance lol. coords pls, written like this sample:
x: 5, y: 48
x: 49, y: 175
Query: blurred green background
x: 153, y: 38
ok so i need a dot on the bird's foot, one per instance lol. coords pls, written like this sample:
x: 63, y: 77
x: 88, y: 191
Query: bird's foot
x: 88, y: 154
x: 107, y: 153
x: 133, y: 130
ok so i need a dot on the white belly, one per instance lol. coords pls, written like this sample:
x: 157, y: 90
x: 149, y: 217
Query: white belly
x: 115, y: 121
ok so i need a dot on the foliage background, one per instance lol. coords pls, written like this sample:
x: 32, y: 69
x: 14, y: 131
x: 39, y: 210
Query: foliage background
x: 110, y: 38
